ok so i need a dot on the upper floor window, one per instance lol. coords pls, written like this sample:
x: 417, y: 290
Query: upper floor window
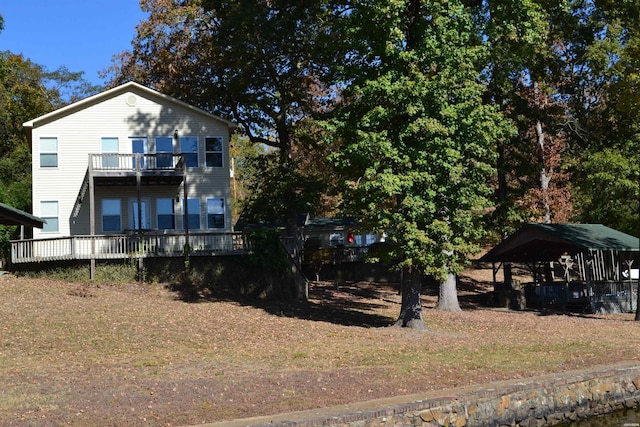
x: 164, y: 152
x: 213, y: 147
x: 139, y: 147
x: 48, y: 152
x: 189, y: 149
x: 111, y: 215
x: 49, y: 212
x: 109, y: 148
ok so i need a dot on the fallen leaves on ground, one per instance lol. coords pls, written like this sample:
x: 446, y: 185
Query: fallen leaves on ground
x: 138, y: 355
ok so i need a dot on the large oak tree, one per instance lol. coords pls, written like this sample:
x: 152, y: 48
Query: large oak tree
x: 416, y: 138
x: 254, y: 62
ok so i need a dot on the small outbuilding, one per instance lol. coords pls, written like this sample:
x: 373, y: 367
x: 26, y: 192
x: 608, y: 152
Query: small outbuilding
x: 12, y: 216
x: 587, y: 267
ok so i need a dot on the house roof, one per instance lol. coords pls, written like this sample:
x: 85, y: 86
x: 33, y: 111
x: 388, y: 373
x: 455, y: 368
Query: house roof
x: 303, y: 220
x: 130, y: 86
x: 329, y: 223
x: 547, y: 242
x: 12, y: 216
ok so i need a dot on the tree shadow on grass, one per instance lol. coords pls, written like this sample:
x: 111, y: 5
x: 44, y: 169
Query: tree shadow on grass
x: 472, y: 294
x: 350, y: 304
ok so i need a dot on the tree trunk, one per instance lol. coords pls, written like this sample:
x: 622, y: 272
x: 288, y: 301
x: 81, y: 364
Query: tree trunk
x: 448, y: 295
x: 545, y: 175
x: 411, y: 308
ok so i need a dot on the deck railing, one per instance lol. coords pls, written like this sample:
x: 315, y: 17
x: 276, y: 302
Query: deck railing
x: 122, y: 246
x: 116, y: 162
x: 599, y: 297
x: 614, y: 296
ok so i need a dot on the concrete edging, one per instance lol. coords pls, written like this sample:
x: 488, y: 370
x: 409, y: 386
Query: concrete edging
x: 538, y: 401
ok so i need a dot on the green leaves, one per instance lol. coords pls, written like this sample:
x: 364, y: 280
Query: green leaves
x: 609, y: 188
x: 416, y: 138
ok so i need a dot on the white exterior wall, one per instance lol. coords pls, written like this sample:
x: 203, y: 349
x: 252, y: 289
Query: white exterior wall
x: 133, y: 113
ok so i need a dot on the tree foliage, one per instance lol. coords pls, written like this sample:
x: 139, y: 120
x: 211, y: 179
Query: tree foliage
x: 415, y: 135
x: 27, y: 90
x: 608, y: 113
x: 563, y: 72
x: 252, y: 61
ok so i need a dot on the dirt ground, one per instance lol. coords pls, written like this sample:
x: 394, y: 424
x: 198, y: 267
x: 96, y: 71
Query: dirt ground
x: 73, y: 354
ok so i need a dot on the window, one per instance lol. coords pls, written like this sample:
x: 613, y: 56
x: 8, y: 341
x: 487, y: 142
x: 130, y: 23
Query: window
x: 134, y: 217
x: 366, y: 239
x: 164, y: 152
x: 189, y: 148
x: 336, y: 239
x: 215, y: 213
x: 109, y: 147
x: 48, y: 152
x: 371, y: 238
x: 139, y: 146
x: 49, y: 212
x: 166, y: 214
x: 111, y: 220
x: 194, y: 214
x: 213, y: 147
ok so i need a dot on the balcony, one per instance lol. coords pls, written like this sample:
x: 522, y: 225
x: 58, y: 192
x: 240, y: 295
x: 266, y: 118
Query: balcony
x: 126, y: 169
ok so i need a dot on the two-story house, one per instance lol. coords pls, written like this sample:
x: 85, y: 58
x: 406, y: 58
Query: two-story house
x: 126, y: 163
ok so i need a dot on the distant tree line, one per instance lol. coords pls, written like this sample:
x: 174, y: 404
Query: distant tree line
x: 27, y: 90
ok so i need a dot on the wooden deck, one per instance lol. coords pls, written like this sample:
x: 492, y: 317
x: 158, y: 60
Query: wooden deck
x: 123, y: 246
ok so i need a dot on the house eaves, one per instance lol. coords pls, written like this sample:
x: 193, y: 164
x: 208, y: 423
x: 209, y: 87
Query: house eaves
x: 95, y: 99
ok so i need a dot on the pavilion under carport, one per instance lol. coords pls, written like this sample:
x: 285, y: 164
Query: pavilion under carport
x: 587, y: 267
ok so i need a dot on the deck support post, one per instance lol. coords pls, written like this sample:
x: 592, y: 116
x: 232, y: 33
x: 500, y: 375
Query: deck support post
x: 185, y: 204
x: 139, y: 213
x: 92, y: 220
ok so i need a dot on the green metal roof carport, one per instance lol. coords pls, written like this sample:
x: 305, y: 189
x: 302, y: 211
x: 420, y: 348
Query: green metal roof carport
x: 582, y: 245
x: 12, y: 216
x: 547, y: 242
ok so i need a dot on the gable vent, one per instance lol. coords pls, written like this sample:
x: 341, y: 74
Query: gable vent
x: 132, y: 100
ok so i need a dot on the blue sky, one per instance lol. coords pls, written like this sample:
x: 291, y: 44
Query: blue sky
x: 82, y: 35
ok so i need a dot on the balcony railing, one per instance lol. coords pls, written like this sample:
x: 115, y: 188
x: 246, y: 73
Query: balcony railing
x: 116, y: 162
x: 122, y: 246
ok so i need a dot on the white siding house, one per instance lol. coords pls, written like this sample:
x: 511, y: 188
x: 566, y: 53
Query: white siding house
x: 118, y: 163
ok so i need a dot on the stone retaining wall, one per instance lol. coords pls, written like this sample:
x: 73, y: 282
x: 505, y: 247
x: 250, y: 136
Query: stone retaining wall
x: 541, y: 401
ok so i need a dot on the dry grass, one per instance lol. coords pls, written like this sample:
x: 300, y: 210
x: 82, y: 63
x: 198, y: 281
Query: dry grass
x: 139, y: 355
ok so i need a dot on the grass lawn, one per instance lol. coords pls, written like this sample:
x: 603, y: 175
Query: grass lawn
x: 139, y: 355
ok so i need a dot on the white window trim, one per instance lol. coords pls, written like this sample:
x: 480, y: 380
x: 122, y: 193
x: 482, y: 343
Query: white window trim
x: 191, y: 213
x: 57, y: 152
x: 157, y: 213
x: 131, y: 202
x: 207, y: 152
x: 155, y: 144
x: 224, y: 213
x: 105, y: 160
x: 57, y: 202
x: 154, y: 149
x: 190, y: 152
x: 102, y: 215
